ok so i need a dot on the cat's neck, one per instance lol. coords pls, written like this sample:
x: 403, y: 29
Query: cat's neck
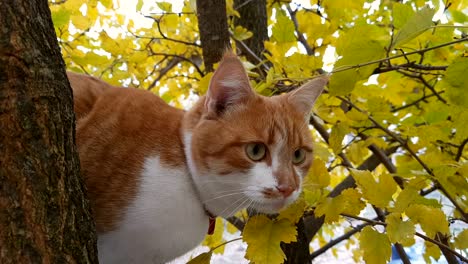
x: 190, y: 121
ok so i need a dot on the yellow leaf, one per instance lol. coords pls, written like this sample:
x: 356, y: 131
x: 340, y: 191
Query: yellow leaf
x: 432, y: 250
x: 353, y: 204
x: 318, y: 176
x: 294, y: 212
x: 263, y: 237
x: 377, y: 193
x: 204, y: 258
x: 432, y: 220
x: 204, y: 83
x: 461, y: 241
x: 376, y: 246
x: 216, y: 238
x: 165, y: 6
x: 331, y: 208
x: 400, y: 231
x: 107, y: 3
x: 283, y: 29
x: 336, y: 137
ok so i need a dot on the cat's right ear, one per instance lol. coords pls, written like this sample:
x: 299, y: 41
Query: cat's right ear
x: 229, y: 85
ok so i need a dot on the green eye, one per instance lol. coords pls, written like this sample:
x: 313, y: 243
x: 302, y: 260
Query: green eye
x: 255, y: 151
x: 299, y: 156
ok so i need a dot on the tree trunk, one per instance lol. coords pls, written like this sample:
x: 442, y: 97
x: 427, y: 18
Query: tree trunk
x: 253, y: 16
x: 44, y: 215
x: 298, y: 252
x: 213, y: 27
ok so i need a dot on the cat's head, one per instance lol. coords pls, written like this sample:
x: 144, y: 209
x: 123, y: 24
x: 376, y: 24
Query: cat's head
x: 246, y: 150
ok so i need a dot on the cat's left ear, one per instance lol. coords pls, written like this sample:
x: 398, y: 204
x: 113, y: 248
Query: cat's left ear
x: 304, y: 97
x: 229, y: 85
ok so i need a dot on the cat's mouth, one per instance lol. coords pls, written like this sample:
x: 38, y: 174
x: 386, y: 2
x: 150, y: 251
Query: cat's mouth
x: 272, y: 205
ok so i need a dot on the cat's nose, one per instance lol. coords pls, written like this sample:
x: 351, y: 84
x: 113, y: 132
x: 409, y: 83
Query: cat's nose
x: 285, y: 190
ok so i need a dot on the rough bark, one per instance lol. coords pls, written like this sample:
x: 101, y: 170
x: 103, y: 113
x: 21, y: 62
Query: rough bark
x: 213, y: 27
x: 44, y: 215
x: 298, y: 252
x: 253, y: 16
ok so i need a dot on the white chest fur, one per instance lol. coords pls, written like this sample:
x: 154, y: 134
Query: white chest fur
x: 165, y: 220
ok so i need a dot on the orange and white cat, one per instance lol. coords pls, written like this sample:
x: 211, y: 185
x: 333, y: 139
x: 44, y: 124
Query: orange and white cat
x: 155, y: 174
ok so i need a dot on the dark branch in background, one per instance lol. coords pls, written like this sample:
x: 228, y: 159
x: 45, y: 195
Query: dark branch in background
x: 434, y: 241
x: 164, y: 37
x: 337, y: 240
x: 416, y: 102
x: 300, y: 36
x: 193, y: 60
x: 238, y: 223
x: 252, y: 54
x: 460, y: 151
x: 419, y: 77
x: 161, y: 72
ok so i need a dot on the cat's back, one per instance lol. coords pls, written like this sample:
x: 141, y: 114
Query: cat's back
x: 117, y: 130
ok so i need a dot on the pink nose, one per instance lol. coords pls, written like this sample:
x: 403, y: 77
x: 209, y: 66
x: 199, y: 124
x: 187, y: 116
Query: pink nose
x: 285, y: 190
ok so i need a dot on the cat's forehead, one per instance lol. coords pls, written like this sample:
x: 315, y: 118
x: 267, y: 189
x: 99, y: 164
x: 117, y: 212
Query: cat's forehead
x: 273, y: 121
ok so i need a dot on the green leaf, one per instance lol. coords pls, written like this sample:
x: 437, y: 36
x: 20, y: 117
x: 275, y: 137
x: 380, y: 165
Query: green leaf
x: 456, y: 82
x: 400, y: 231
x: 420, y: 22
x: 283, y: 29
x: 337, y: 135
x: 363, y: 43
x: 377, y: 193
x: 376, y: 246
x: 139, y: 5
x: 61, y: 17
x: 432, y: 220
x: 263, y: 237
x: 401, y: 14
x: 204, y: 258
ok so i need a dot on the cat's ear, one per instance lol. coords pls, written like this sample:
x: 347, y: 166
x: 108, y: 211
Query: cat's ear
x: 304, y: 97
x: 229, y: 85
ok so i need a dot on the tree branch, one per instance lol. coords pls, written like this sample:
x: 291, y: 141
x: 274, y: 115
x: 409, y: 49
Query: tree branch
x: 345, y: 68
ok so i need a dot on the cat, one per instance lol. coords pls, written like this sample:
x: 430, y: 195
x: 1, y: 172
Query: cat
x: 157, y: 175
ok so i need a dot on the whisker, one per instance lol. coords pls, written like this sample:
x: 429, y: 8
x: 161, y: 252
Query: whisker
x: 225, y: 195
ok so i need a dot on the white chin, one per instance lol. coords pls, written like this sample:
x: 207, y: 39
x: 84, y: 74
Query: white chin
x: 271, y: 207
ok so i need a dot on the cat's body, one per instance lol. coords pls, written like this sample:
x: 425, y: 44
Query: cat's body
x: 154, y: 173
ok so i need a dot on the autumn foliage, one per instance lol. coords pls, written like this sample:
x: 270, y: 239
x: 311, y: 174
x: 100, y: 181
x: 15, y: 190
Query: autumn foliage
x: 390, y: 164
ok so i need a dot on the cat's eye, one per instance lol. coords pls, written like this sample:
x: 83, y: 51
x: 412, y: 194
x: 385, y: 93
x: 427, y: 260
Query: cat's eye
x: 299, y: 156
x: 255, y: 151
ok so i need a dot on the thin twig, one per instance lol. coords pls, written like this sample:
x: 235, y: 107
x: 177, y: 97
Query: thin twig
x: 337, y: 240
x: 345, y: 68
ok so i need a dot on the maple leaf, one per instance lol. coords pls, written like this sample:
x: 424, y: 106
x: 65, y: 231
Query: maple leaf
x: 432, y: 220
x: 263, y: 237
x: 376, y: 246
x: 377, y: 193
x: 400, y: 231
